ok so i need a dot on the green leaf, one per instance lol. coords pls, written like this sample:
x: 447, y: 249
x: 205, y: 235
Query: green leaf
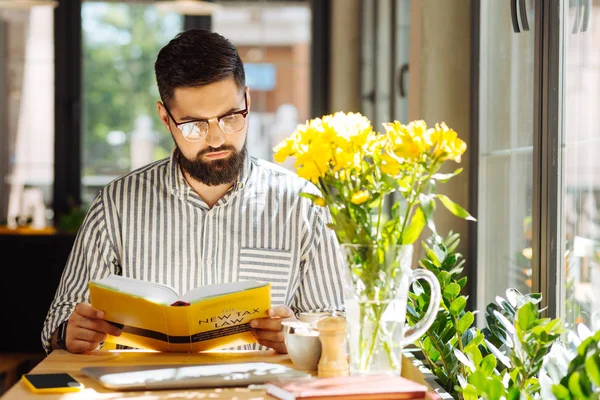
x: 455, y: 208
x: 462, y: 357
x: 513, y: 393
x: 554, y: 326
x: 450, y: 261
x: 527, y: 315
x: 561, y: 392
x: 465, y: 322
x: 488, y: 364
x: 462, y: 281
x: 417, y: 288
x: 428, y: 206
x: 433, y: 257
x: 583, y: 347
x: 574, y: 386
x: 444, y: 278
x: 445, y: 177
x: 310, y: 196
x: 495, y: 389
x: 592, y: 369
x: 504, y: 322
x: 423, y: 301
x: 452, y: 241
x: 474, y: 353
x: 457, y: 306
x: 413, y: 231
x: 535, y: 298
x: 427, y: 344
x: 390, y: 181
x: 478, y: 380
x: 451, y: 291
x: 508, y: 308
x: 499, y: 355
x: 469, y: 393
x: 428, y: 265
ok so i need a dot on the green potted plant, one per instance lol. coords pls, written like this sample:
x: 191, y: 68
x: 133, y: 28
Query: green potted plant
x: 518, y: 354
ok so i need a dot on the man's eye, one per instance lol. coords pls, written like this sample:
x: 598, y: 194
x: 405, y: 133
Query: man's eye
x: 188, y: 128
x: 228, y: 118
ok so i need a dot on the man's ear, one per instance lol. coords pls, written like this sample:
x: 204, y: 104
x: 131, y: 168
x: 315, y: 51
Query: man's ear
x: 248, y: 97
x: 164, y: 116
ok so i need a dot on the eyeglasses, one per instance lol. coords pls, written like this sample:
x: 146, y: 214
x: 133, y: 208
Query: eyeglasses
x: 197, y: 130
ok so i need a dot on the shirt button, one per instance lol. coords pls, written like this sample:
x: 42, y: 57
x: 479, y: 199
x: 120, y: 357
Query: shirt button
x: 209, y: 262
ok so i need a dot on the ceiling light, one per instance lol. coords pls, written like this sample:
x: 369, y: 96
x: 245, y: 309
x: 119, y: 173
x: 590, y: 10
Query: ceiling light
x: 188, y: 7
x: 25, y: 4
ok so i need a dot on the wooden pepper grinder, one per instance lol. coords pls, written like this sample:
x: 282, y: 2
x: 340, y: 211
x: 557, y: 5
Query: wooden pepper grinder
x: 332, y: 334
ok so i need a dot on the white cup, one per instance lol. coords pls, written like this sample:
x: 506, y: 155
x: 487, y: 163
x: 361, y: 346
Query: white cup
x: 302, y: 340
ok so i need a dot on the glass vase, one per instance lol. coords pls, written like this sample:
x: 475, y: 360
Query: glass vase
x: 376, y: 283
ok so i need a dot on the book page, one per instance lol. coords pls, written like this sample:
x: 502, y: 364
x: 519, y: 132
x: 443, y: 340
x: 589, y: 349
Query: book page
x: 218, y: 289
x: 155, y: 292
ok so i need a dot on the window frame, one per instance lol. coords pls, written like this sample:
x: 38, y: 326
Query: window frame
x: 67, y: 107
x: 546, y: 261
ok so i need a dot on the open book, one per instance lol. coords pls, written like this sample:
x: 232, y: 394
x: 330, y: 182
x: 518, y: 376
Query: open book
x: 154, y: 316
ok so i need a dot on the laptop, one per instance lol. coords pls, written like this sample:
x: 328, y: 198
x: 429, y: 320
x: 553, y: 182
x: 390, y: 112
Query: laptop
x: 183, y: 376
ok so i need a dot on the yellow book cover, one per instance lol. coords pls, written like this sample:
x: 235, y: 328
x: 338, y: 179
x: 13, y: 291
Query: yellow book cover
x: 155, y: 317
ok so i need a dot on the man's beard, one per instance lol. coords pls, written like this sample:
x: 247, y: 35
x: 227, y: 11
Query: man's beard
x: 216, y: 172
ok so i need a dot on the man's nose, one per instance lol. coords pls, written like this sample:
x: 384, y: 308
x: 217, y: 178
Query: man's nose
x: 215, y: 136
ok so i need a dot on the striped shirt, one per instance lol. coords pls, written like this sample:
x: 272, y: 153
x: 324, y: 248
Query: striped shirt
x: 151, y: 225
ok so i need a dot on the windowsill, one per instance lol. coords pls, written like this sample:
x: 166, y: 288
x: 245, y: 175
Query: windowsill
x: 27, y: 230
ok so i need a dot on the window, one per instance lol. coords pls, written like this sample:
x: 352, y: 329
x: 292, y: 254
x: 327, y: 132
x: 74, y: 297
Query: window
x: 384, y: 60
x: 273, y: 39
x: 27, y: 103
x: 506, y: 148
x: 121, y: 128
x: 580, y: 219
x: 539, y: 191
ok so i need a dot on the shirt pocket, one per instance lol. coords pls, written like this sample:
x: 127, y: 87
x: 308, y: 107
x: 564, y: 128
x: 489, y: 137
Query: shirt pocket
x: 267, y: 265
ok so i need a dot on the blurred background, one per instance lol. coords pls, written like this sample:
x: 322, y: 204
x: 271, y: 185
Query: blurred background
x: 519, y: 80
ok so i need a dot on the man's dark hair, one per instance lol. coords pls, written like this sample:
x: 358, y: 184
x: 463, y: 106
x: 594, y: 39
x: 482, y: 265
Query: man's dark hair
x: 195, y: 58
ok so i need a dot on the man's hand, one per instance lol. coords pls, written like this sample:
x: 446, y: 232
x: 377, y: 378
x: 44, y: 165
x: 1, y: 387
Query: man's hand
x: 268, y: 331
x: 87, y: 328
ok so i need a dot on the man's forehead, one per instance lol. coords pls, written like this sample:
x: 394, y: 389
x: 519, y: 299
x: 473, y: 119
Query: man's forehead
x: 206, y: 101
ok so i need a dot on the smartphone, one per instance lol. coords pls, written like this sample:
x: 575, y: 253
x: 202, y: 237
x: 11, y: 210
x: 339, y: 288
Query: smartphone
x: 52, y: 383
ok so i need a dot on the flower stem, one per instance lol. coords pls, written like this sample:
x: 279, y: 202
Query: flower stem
x: 377, y: 315
x: 460, y: 346
x: 414, y: 199
x: 409, y: 207
x: 379, y: 220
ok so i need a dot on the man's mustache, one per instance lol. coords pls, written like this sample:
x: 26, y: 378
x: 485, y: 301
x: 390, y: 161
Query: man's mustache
x: 216, y: 150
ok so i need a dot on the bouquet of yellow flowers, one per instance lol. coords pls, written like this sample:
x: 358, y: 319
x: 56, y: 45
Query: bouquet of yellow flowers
x: 380, y: 190
x: 356, y: 168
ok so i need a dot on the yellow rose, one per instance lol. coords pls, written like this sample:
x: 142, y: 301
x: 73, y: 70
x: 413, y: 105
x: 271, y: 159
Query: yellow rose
x: 360, y: 197
x: 410, y: 141
x: 319, y: 201
x: 389, y: 165
x: 328, y: 145
x: 284, y: 150
x: 447, y: 144
x: 309, y: 171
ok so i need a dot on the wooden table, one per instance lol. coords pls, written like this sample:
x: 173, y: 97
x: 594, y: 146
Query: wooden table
x: 62, y: 361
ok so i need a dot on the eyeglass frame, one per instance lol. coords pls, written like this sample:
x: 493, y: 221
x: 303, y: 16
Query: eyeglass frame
x: 243, y: 113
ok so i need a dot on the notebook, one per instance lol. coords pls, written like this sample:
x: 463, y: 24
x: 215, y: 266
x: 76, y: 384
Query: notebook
x: 181, y: 376
x: 373, y: 387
